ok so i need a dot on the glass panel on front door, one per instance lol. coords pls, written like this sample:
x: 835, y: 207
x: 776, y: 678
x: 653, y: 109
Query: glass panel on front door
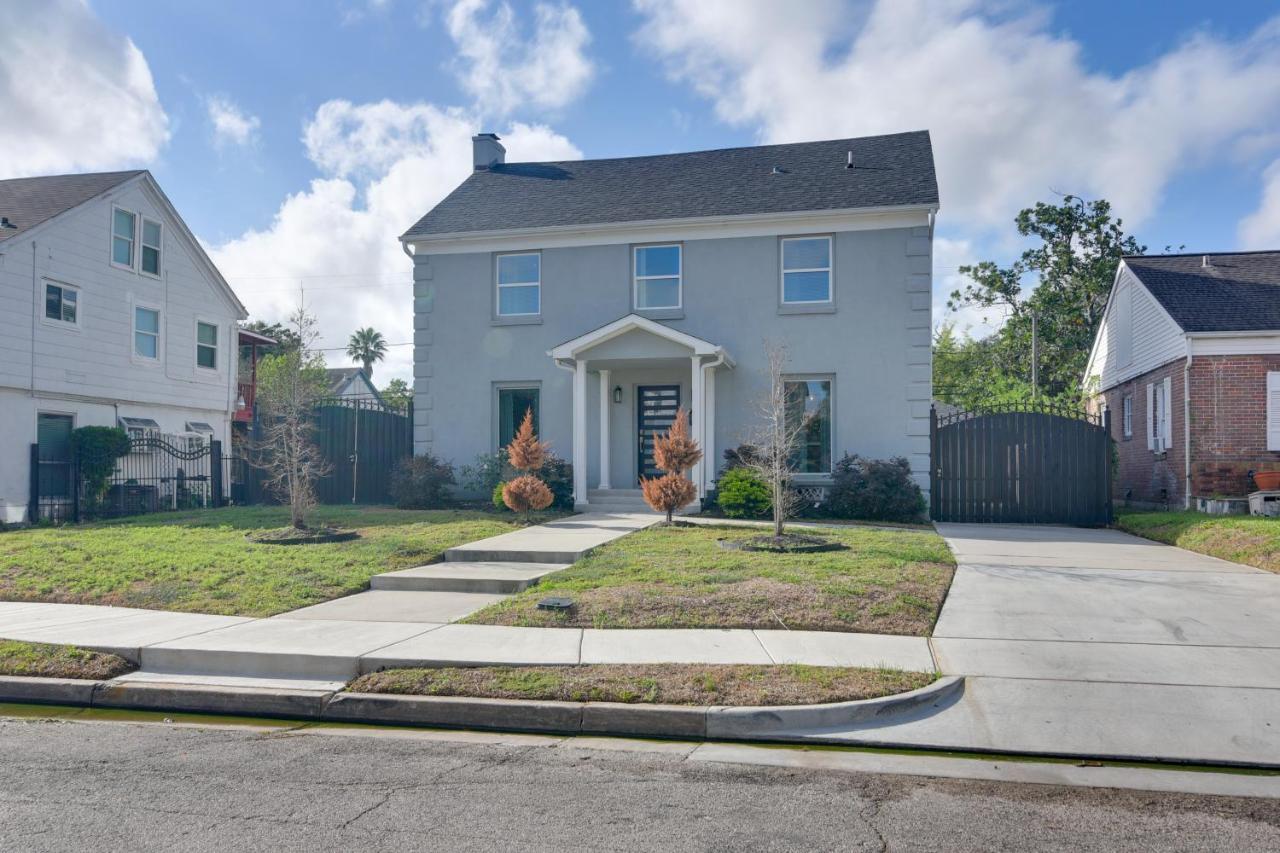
x: 657, y: 406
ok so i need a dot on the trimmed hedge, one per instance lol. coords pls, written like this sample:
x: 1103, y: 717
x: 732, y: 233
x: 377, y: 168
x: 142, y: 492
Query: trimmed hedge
x: 741, y: 494
x: 874, y: 489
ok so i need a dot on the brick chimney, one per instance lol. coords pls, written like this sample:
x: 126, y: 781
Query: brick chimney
x: 487, y: 151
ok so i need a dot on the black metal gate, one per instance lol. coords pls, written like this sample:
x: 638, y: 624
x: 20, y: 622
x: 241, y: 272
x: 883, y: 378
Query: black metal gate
x: 1025, y: 463
x: 362, y: 440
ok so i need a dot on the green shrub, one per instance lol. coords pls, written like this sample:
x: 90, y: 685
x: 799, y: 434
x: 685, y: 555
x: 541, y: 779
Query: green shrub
x: 487, y: 471
x: 558, y: 475
x: 96, y: 450
x: 741, y: 494
x: 498, y: 502
x: 874, y: 489
x: 490, y: 471
x: 421, y: 482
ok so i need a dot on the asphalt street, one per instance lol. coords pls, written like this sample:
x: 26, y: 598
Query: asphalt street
x: 109, y: 786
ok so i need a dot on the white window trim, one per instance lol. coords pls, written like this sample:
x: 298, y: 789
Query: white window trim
x: 829, y: 269
x: 1126, y: 408
x: 66, y: 325
x: 111, y: 239
x: 142, y: 230
x: 1159, y: 416
x: 134, y: 355
x: 497, y: 280
x: 1273, y: 410
x: 636, y: 278
x: 218, y: 358
x: 830, y: 378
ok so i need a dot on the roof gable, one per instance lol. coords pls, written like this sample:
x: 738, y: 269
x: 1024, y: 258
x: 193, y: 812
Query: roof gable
x: 29, y: 202
x: 571, y: 349
x: 1234, y: 292
x: 887, y: 171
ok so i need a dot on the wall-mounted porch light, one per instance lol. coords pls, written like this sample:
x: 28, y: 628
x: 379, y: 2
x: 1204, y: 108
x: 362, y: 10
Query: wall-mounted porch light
x: 617, y: 393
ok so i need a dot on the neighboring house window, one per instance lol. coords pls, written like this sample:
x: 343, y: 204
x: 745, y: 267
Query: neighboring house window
x: 124, y: 227
x: 1127, y: 416
x: 207, y: 345
x: 657, y: 277
x: 53, y: 437
x: 139, y: 428
x: 519, y: 284
x: 512, y: 405
x: 150, y: 247
x: 1159, y: 425
x: 806, y: 270
x: 809, y: 410
x: 1273, y: 410
x: 60, y: 303
x: 146, y: 332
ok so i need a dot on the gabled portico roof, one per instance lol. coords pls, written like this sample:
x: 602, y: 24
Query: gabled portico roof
x: 572, y: 349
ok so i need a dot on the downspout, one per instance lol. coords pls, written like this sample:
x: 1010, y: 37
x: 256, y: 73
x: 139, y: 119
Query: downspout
x: 1186, y: 428
x: 35, y: 295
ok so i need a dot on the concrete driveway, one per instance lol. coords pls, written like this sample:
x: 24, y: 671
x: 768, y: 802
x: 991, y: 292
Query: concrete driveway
x: 1101, y: 605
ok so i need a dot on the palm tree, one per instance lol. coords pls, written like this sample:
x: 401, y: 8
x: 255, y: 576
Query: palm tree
x: 367, y: 347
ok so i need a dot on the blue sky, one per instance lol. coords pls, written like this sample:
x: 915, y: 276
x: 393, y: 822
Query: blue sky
x: 299, y: 138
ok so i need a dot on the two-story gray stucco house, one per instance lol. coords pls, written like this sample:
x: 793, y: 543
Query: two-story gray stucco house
x: 604, y: 293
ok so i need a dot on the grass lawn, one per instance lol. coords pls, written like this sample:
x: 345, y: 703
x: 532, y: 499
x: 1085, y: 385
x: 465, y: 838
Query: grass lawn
x: 1252, y: 540
x: 888, y: 582
x: 46, y: 661
x: 668, y: 684
x: 200, y: 561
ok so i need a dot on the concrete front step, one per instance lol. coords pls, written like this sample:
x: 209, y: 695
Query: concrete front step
x: 565, y: 540
x: 495, y: 578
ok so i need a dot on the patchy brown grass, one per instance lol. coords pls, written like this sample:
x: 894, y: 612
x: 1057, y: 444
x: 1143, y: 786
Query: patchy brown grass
x: 667, y: 684
x: 48, y: 661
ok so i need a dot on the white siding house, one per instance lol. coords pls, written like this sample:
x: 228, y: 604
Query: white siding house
x: 109, y: 309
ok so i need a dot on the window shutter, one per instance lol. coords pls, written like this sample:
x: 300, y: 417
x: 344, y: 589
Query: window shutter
x: 1273, y: 410
x: 1167, y: 414
x: 1151, y: 419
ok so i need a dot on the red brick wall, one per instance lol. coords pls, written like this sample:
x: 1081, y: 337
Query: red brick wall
x: 1144, y: 476
x: 1228, y: 422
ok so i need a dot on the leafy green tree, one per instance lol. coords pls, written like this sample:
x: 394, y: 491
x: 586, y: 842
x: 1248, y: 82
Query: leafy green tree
x: 284, y: 336
x: 368, y: 347
x: 397, y: 394
x: 1063, y: 281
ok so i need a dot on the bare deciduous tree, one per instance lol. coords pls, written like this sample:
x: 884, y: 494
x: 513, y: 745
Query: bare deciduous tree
x: 775, y: 441
x: 290, y: 383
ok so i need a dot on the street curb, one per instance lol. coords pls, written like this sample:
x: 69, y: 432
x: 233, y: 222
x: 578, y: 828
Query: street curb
x: 47, y: 691
x: 202, y: 699
x: 454, y: 712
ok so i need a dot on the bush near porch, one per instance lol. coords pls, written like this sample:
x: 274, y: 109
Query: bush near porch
x: 887, y: 582
x: 201, y: 562
x: 1252, y: 540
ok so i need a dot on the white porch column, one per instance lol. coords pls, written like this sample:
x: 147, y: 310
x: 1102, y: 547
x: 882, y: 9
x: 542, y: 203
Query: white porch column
x: 708, y: 438
x: 605, y: 398
x: 579, y: 431
x: 698, y: 403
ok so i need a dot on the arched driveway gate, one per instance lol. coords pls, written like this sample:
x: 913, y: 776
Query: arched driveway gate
x: 1024, y: 463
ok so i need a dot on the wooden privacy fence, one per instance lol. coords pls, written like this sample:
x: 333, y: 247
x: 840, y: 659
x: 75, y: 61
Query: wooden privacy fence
x: 1024, y: 463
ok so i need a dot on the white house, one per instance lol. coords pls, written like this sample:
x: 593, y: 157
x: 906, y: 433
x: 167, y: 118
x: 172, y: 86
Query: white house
x: 110, y: 314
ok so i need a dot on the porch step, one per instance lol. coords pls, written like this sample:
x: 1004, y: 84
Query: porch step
x: 495, y: 578
x: 593, y: 494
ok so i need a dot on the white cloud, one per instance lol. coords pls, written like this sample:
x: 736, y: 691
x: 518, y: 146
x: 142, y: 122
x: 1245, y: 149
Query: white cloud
x: 948, y: 256
x: 385, y: 164
x: 73, y: 94
x: 1013, y: 110
x: 1261, y: 229
x: 231, y: 125
x: 503, y: 71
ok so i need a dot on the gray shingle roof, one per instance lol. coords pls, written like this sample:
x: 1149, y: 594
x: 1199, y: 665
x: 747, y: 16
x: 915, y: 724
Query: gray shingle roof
x: 888, y: 171
x: 1237, y: 292
x: 26, y: 202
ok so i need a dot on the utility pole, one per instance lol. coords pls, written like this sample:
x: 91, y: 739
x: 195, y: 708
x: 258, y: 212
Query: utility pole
x: 1035, y: 357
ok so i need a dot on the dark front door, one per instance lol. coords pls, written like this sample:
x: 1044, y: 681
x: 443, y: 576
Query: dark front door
x: 656, y: 411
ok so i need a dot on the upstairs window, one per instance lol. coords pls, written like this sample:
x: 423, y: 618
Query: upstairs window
x: 207, y: 346
x: 519, y: 285
x: 146, y: 333
x: 60, y: 303
x: 124, y: 229
x: 806, y: 270
x: 150, y: 247
x: 657, y: 277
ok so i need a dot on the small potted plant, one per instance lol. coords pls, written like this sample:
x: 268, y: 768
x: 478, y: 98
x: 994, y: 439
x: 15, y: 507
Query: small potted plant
x: 1267, y: 477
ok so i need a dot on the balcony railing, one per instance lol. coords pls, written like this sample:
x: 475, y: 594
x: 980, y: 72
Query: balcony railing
x: 245, y: 391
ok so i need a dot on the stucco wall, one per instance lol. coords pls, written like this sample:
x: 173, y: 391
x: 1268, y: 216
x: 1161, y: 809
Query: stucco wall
x: 875, y: 342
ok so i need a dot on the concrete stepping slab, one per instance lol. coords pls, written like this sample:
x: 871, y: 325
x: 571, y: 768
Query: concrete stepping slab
x: 563, y: 541
x: 385, y: 605
x: 715, y: 646
x: 486, y: 577
x: 281, y: 648
x: 123, y: 634
x: 480, y: 645
x: 830, y: 648
x: 143, y: 676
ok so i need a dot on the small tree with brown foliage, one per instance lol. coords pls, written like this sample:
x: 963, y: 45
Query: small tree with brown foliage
x: 675, y: 452
x: 527, y: 493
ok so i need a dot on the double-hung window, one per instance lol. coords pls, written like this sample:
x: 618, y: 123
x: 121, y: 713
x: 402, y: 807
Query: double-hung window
x: 61, y: 303
x: 808, y: 412
x: 124, y: 231
x: 520, y: 284
x: 657, y: 275
x: 207, y: 346
x: 1128, y: 416
x: 150, y: 246
x: 806, y: 270
x: 146, y: 333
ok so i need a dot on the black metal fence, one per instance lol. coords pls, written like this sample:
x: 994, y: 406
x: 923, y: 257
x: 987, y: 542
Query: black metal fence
x: 1025, y: 463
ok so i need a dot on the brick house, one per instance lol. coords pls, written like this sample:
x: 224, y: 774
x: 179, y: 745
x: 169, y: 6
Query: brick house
x: 1187, y: 360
